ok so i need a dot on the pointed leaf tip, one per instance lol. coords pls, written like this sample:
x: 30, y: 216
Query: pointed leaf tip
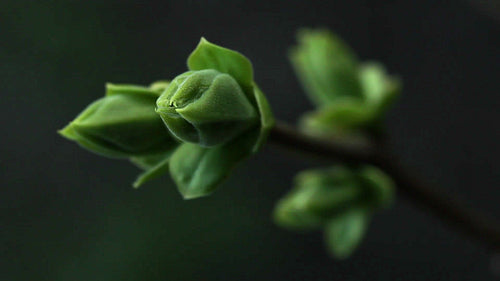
x: 67, y: 132
x: 207, y: 55
x: 345, y: 233
x: 155, y: 171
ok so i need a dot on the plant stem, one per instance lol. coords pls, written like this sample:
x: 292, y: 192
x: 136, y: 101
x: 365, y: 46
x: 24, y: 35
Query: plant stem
x: 448, y: 209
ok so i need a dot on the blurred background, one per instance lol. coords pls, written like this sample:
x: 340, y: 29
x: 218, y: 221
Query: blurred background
x: 67, y: 214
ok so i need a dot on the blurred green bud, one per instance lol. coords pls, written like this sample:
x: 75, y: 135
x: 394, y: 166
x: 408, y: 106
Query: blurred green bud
x: 326, y: 66
x: 351, y: 97
x: 319, y: 195
x: 348, y: 118
x: 122, y: 124
x: 341, y: 200
x: 206, y: 107
x: 328, y: 192
x: 289, y: 214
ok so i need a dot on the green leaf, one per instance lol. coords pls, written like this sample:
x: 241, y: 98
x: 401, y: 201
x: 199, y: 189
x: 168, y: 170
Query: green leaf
x: 344, y: 233
x: 198, y: 171
x: 326, y: 192
x: 380, y: 89
x: 211, y: 56
x: 321, y: 194
x: 123, y: 124
x: 286, y: 214
x: 120, y: 89
x: 346, y: 116
x: 380, y: 187
x: 351, y: 99
x: 149, y: 161
x: 220, y: 127
x: 326, y: 67
x: 266, y: 117
x: 153, y: 172
x: 159, y: 86
x: 317, y: 196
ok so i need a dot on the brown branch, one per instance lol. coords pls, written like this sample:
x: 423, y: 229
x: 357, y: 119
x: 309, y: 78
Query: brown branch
x: 442, y: 205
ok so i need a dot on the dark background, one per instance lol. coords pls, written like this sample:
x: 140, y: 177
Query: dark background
x: 67, y: 214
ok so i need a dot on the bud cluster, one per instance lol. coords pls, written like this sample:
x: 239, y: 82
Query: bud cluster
x: 321, y: 198
x: 198, y: 127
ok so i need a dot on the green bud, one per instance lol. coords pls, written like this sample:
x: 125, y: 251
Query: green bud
x: 318, y: 195
x: 220, y: 113
x: 206, y: 107
x: 216, y: 108
x: 325, y: 193
x: 351, y: 97
x: 122, y: 124
x: 288, y: 215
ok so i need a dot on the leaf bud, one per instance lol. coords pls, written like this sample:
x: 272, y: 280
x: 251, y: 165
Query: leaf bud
x: 317, y: 196
x: 122, y: 124
x: 206, y: 107
x: 323, y: 194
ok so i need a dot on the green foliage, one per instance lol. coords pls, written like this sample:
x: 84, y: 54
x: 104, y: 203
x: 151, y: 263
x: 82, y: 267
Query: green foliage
x: 339, y: 199
x: 318, y: 195
x: 153, y: 171
x: 206, y: 107
x: 326, y: 193
x: 122, y: 124
x: 344, y: 233
x: 198, y: 170
x: 210, y: 56
x: 159, y: 86
x: 217, y: 117
x: 351, y: 100
x: 351, y: 97
x: 215, y: 110
x: 326, y: 66
x: 220, y: 114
